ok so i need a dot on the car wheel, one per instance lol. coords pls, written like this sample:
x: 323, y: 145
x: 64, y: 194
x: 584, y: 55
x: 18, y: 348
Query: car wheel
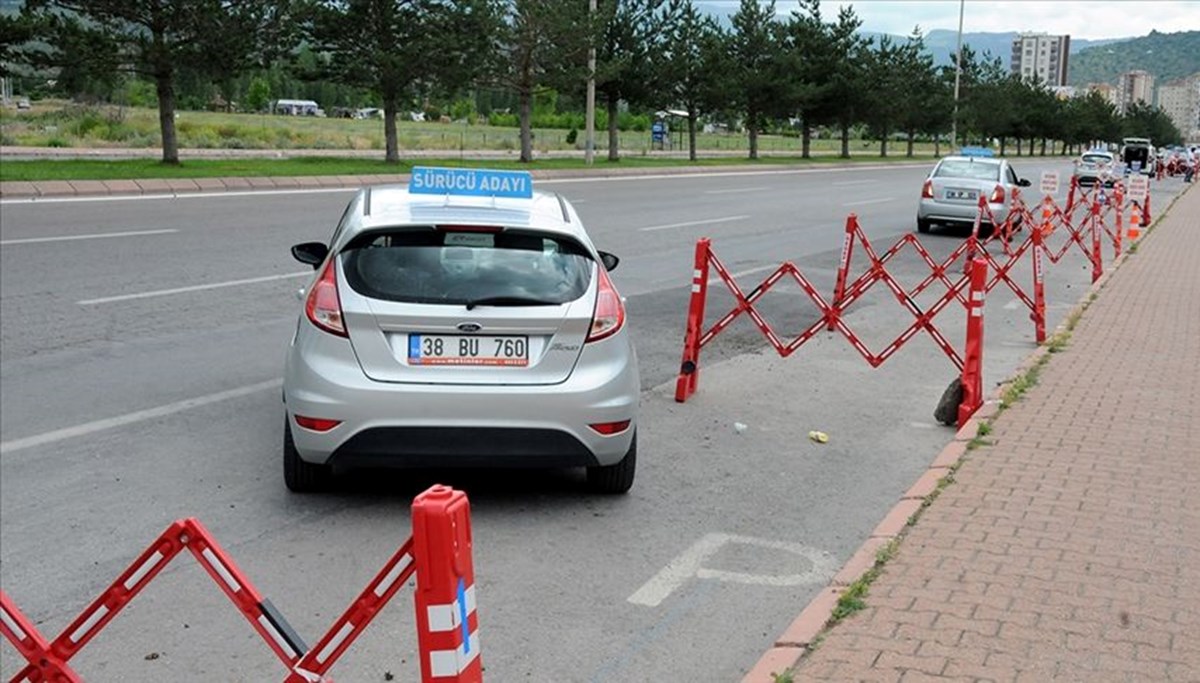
x: 615, y: 478
x: 300, y: 475
x: 923, y: 226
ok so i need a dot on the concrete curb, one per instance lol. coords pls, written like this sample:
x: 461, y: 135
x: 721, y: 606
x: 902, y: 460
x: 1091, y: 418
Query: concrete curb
x: 796, y: 640
x: 23, y: 189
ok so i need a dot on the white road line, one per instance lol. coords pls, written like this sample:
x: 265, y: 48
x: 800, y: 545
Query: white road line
x: 189, y: 194
x: 194, y: 288
x: 870, y: 201
x: 130, y: 418
x: 95, y: 236
x: 856, y: 182
x: 740, y: 274
x: 690, y: 223
x: 736, y: 190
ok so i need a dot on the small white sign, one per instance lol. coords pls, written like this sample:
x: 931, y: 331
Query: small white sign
x: 1049, y: 183
x: 1139, y: 187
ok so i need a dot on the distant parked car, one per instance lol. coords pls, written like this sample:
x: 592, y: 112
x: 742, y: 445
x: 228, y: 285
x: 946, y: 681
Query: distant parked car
x: 1095, y: 166
x: 23, y: 103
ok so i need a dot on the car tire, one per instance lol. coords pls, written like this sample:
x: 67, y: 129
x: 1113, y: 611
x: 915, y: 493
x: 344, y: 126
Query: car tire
x: 616, y: 478
x: 923, y: 226
x: 299, y: 475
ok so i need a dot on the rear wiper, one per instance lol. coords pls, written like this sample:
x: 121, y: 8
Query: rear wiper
x: 509, y: 301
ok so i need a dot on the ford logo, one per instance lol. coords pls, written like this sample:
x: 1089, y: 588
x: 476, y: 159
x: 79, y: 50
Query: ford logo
x: 469, y: 327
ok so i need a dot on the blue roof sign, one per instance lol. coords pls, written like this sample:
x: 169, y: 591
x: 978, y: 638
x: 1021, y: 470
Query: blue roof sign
x: 976, y: 152
x: 471, y: 182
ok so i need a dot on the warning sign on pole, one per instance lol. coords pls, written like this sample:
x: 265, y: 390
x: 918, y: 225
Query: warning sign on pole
x: 1139, y: 187
x: 1049, y: 183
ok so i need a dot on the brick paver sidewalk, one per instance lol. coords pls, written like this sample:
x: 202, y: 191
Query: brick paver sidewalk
x: 1070, y: 549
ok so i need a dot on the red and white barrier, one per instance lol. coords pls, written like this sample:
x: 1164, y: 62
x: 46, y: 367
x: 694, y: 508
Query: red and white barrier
x: 439, y: 552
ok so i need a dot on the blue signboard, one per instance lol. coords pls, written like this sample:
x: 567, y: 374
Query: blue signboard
x: 976, y: 152
x: 658, y: 131
x: 471, y: 182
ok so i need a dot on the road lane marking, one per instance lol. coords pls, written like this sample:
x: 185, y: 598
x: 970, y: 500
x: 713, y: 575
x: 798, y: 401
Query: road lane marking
x: 690, y: 563
x: 736, y: 190
x: 193, y: 288
x: 870, y: 201
x: 691, y: 223
x: 94, y: 236
x: 130, y: 418
x: 740, y: 274
x: 190, y: 194
x: 855, y: 182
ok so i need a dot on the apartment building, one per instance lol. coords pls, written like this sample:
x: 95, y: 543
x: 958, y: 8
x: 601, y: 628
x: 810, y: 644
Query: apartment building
x: 1133, y: 87
x: 1180, y: 99
x: 1042, y: 57
x: 1108, y: 91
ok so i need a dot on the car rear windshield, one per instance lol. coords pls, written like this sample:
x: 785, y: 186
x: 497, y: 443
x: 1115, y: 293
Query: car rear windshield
x: 965, y: 168
x: 446, y: 266
x: 1097, y: 158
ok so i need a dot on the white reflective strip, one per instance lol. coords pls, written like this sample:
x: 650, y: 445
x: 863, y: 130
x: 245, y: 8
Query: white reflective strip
x: 346, y: 629
x: 393, y: 575
x: 977, y: 313
x: 87, y: 625
x: 443, y: 663
x: 453, y: 662
x: 470, y: 599
x: 150, y: 563
x: 11, y: 623
x: 443, y: 617
x: 696, y: 274
x: 976, y: 296
x: 225, y: 575
x: 695, y: 287
x: 276, y: 635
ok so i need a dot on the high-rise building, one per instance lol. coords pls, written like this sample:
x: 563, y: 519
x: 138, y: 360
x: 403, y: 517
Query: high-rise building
x: 1134, y: 87
x: 1180, y: 99
x: 1107, y: 91
x: 1037, y: 56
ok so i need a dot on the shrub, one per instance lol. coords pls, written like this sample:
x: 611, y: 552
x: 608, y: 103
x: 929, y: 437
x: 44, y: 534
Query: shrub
x: 572, y: 136
x: 56, y: 142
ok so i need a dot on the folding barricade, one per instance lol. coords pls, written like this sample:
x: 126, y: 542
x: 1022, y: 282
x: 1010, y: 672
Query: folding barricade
x: 438, y: 552
x: 696, y: 337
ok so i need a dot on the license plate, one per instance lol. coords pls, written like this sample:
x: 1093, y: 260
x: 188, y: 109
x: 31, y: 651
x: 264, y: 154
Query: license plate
x: 457, y: 349
x: 961, y: 194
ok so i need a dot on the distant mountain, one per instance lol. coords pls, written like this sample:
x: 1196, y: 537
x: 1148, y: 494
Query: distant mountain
x: 1165, y: 55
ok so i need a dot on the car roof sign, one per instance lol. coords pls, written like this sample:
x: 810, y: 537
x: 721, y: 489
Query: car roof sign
x: 976, y: 152
x: 471, y: 182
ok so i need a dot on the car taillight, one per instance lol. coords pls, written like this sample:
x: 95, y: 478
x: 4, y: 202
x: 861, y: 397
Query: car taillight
x: 323, y: 306
x: 316, y: 424
x: 610, y: 312
x: 610, y: 428
x: 997, y: 195
x: 927, y: 190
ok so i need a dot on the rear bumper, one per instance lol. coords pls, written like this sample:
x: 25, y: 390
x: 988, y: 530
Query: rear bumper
x: 390, y: 424
x: 944, y: 212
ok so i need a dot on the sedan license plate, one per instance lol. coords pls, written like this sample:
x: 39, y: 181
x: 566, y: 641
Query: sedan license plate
x: 961, y: 194
x: 456, y: 349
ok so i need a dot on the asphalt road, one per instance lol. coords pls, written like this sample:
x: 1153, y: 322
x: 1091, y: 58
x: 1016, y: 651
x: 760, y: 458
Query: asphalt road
x: 141, y: 345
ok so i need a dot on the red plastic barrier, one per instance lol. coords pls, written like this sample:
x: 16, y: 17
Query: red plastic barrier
x: 972, y: 371
x: 439, y: 552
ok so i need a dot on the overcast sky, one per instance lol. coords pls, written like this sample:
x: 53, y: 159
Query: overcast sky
x: 1089, y: 19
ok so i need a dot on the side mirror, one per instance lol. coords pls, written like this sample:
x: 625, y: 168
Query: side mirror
x: 1024, y: 182
x: 610, y: 261
x: 312, y: 253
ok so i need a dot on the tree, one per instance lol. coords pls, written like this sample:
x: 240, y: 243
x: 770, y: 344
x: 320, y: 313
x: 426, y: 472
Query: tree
x: 692, y: 60
x: 158, y: 40
x: 258, y: 95
x: 758, y: 84
x: 926, y: 105
x: 1144, y: 121
x: 845, y: 95
x: 399, y: 49
x: 809, y: 62
x: 628, y: 54
x: 541, y: 43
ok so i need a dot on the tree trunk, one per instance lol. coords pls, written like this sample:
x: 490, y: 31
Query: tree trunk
x: 752, y: 129
x: 391, y: 139
x: 1003, y: 144
x: 1019, y: 142
x: 909, y: 152
x: 845, y: 140
x: 1043, y: 146
x: 525, y: 113
x: 614, y: 138
x: 806, y: 139
x: 883, y: 145
x: 164, y: 83
x: 692, y: 116
x: 937, y: 145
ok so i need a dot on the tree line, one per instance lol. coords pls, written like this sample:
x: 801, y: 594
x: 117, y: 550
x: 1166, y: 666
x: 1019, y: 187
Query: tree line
x: 765, y: 72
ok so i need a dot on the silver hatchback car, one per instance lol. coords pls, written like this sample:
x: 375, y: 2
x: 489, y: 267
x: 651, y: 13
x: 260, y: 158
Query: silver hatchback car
x: 463, y: 320
x: 950, y: 195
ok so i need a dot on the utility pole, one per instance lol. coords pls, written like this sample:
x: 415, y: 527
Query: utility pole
x: 957, y: 76
x: 589, y: 151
